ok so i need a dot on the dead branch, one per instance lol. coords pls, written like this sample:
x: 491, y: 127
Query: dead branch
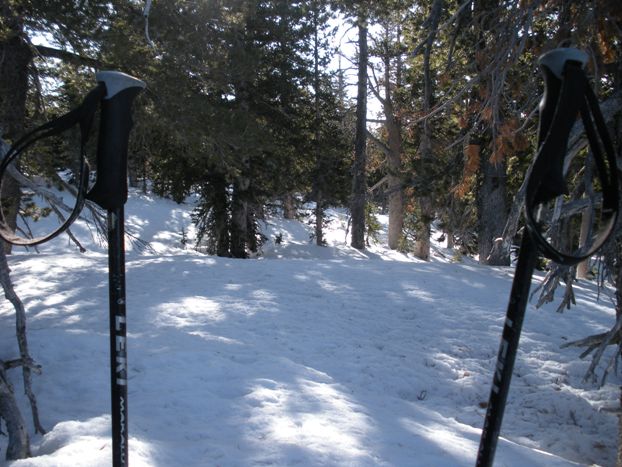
x: 22, y: 340
x: 549, y: 284
x: 19, y: 442
x: 598, y: 343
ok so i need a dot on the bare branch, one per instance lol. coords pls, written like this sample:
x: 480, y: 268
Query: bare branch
x: 22, y: 341
x: 383, y: 147
x: 68, y: 57
x: 19, y: 442
x: 598, y: 342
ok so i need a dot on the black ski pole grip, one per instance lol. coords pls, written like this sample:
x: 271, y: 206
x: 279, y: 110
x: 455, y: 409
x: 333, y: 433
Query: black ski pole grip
x: 110, y: 189
x: 553, y: 139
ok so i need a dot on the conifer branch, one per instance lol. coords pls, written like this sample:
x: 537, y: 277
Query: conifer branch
x: 68, y: 57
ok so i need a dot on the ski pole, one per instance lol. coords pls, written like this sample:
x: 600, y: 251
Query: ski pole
x: 114, y: 95
x: 566, y: 93
x: 507, y: 351
x: 517, y: 305
x: 110, y: 192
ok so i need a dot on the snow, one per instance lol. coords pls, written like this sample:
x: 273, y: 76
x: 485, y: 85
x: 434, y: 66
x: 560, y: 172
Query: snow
x: 306, y: 356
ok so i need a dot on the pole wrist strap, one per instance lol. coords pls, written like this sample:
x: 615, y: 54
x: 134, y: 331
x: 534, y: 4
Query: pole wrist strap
x: 82, y: 115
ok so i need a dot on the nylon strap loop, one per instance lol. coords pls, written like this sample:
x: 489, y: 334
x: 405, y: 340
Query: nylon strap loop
x: 82, y: 115
x: 544, y: 183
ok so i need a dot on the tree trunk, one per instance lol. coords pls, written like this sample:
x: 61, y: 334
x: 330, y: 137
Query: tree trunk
x: 491, y: 193
x: 15, y: 58
x: 393, y: 127
x: 11, y: 195
x: 289, y: 206
x: 394, y: 180
x: 221, y: 215
x: 19, y: 443
x: 491, y: 210
x: 500, y: 253
x: 27, y: 363
x: 239, y: 218
x: 396, y: 211
x: 359, y: 175
x: 319, y: 218
x: 583, y: 268
x: 253, y: 212
x: 426, y: 207
x: 319, y: 175
x: 586, y: 217
x: 424, y: 232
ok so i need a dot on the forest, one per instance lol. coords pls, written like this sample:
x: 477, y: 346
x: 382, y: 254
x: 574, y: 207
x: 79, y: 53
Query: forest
x: 425, y: 111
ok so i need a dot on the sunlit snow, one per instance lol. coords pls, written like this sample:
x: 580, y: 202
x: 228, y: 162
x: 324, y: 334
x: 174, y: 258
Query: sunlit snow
x: 306, y: 356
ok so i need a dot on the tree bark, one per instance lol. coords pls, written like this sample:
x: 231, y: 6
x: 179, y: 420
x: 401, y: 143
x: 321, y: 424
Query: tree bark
x: 393, y: 127
x: 492, y: 210
x: 15, y: 56
x: 19, y: 443
x: 359, y: 175
x: 319, y: 175
x: 423, y: 242
x: 394, y: 180
x: 289, y: 206
x: 492, y: 189
x: 220, y: 213
x: 28, y: 365
x: 426, y: 206
x: 239, y: 218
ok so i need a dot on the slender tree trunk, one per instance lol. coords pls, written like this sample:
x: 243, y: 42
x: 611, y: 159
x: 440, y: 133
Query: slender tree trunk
x: 27, y: 363
x: 319, y: 176
x: 221, y: 214
x: 393, y: 127
x: 239, y: 218
x: 289, y: 206
x: 426, y: 207
x: 359, y: 175
x: 500, y: 253
x: 492, y: 190
x: 394, y: 182
x: 396, y: 211
x: 15, y: 57
x: 19, y: 443
x: 586, y: 218
x: 253, y: 212
x: 319, y: 219
x: 492, y: 209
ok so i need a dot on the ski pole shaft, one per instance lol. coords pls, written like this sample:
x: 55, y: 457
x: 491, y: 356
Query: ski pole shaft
x: 118, y: 337
x: 110, y: 192
x: 507, y: 351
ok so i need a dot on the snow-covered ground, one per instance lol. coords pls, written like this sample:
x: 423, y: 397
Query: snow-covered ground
x: 307, y: 356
